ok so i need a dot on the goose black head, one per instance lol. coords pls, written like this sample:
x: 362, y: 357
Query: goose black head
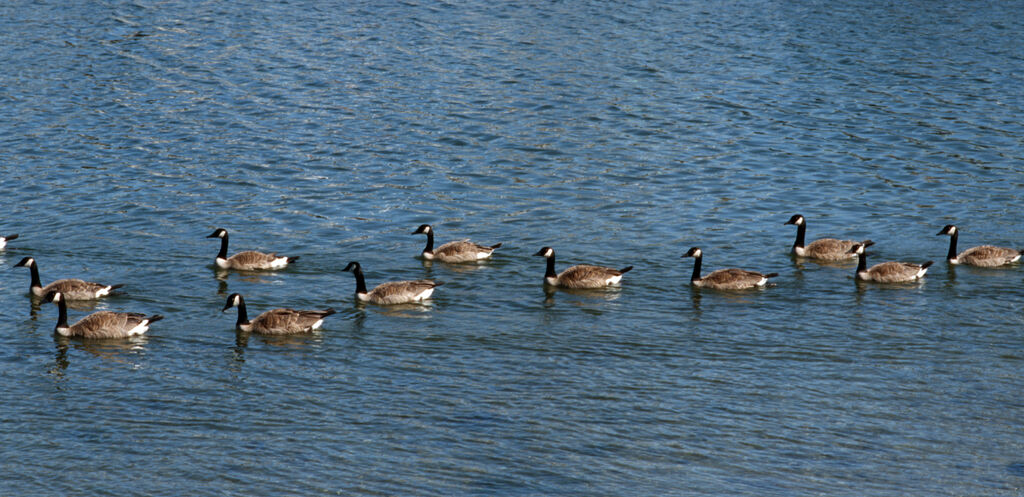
x: 545, y: 252
x: 797, y: 219
x: 949, y: 229
x: 53, y: 297
x: 693, y: 252
x: 218, y: 233
x: 423, y: 229
x: 857, y: 248
x: 353, y: 267
x: 26, y: 262
x: 233, y: 300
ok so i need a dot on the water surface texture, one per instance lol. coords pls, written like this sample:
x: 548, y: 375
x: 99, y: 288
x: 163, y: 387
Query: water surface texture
x: 617, y: 133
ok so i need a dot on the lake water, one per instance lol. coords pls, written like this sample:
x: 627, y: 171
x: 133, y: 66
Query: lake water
x: 619, y: 134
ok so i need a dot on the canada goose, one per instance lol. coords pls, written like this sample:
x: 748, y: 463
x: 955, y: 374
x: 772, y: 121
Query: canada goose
x: 460, y: 251
x: 393, y: 292
x: 102, y: 324
x: 70, y: 289
x: 276, y: 321
x: 887, y: 272
x: 984, y: 255
x: 580, y: 276
x: 824, y: 249
x: 6, y: 238
x: 725, y: 279
x: 248, y: 260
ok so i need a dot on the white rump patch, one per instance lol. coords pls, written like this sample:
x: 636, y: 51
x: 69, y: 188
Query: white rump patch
x: 614, y: 280
x: 279, y: 263
x: 140, y: 329
x: 425, y: 294
x: 316, y: 324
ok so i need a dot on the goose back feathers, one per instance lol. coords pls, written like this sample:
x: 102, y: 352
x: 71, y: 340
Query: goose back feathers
x: 70, y: 289
x: 580, y: 276
x: 249, y: 260
x: 725, y: 279
x: 102, y: 324
x: 824, y: 249
x: 887, y: 272
x: 982, y: 256
x: 454, y: 252
x: 276, y: 321
x: 395, y: 292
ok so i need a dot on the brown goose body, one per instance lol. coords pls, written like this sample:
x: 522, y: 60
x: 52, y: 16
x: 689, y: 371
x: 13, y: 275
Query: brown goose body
x: 888, y: 272
x: 822, y: 249
x: 280, y: 321
x: 394, y: 292
x: 581, y: 276
x: 249, y: 260
x: 102, y: 324
x: 453, y: 252
x: 725, y: 279
x: 981, y: 256
x: 70, y: 288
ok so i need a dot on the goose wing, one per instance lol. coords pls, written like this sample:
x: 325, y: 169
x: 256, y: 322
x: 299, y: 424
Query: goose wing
x: 107, y: 324
x: 733, y: 279
x: 988, y: 256
x: 76, y: 289
x: 894, y: 272
x: 251, y: 259
x: 285, y: 321
x: 830, y: 248
x: 587, y: 276
x: 400, y: 292
x: 461, y: 251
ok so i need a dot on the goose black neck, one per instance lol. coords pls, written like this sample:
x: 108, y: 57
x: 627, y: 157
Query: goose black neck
x: 550, y: 273
x: 430, y: 242
x: 801, y: 231
x: 952, y: 245
x: 360, y: 281
x: 223, y: 254
x: 243, y: 314
x: 696, y: 268
x: 35, y: 276
x: 62, y: 315
x: 862, y: 261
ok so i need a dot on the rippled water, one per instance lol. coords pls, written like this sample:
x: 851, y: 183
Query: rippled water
x: 617, y: 134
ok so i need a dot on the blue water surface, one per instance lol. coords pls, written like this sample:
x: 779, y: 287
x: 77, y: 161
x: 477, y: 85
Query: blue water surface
x: 619, y: 134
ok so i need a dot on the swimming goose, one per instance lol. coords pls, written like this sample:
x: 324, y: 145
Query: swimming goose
x: 276, y: 321
x: 6, y: 238
x: 248, y: 260
x: 71, y: 289
x: 102, y: 324
x: 460, y: 251
x: 725, y: 279
x: 824, y: 249
x: 394, y: 292
x: 580, y: 276
x: 984, y: 255
x: 887, y: 272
